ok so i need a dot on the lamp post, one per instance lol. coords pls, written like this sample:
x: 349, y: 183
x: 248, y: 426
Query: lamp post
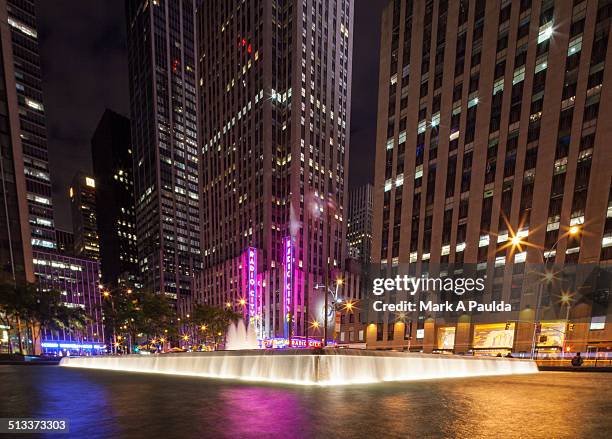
x: 566, y: 299
x: 107, y: 295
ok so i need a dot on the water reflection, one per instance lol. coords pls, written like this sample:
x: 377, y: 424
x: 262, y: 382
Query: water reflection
x: 261, y: 410
x: 116, y: 405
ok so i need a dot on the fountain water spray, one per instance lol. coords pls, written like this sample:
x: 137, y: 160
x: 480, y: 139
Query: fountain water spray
x: 239, y: 337
x: 322, y: 367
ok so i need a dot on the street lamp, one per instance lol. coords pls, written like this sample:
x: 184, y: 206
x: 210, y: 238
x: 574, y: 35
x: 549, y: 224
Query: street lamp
x: 107, y: 295
x: 566, y: 299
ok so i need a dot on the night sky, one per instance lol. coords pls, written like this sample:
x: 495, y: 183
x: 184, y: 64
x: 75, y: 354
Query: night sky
x: 84, y: 62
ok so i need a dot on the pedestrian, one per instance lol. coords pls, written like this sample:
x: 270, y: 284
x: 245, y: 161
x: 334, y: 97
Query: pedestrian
x: 577, y: 360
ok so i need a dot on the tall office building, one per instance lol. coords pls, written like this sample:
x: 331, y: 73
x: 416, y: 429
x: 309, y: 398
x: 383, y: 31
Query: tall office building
x: 162, y: 64
x: 84, y: 223
x: 359, y: 227
x: 275, y: 94
x: 15, y: 248
x: 113, y: 172
x: 491, y: 125
x: 33, y: 132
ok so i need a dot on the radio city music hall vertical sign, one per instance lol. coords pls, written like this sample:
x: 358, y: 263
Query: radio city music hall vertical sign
x: 252, y: 282
x: 288, y: 280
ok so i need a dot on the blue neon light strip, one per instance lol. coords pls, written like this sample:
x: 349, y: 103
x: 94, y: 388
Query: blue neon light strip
x: 64, y: 345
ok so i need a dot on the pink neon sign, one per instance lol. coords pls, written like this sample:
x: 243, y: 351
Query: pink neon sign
x: 288, y: 274
x: 252, y: 281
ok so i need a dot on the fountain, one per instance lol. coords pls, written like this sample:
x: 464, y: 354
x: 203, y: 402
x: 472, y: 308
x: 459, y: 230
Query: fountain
x: 239, y: 337
x: 309, y: 367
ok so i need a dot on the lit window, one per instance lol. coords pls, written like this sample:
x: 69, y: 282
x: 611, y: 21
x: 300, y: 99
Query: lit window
x: 597, y: 322
x: 541, y: 64
x: 574, y: 46
x: 435, y: 119
x: 498, y: 86
x: 519, y: 75
x: 418, y: 172
x: 34, y: 104
x: 545, y: 32
x: 22, y: 27
x: 422, y: 126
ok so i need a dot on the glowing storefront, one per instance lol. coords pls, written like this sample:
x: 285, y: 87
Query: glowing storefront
x: 493, y: 338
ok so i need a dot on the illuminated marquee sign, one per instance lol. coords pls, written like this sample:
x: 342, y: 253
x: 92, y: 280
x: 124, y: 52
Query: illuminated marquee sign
x: 288, y: 279
x: 252, y: 281
x: 296, y: 342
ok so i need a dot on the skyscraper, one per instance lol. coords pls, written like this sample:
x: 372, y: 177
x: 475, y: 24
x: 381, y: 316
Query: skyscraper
x: 162, y: 77
x: 33, y: 131
x: 491, y: 126
x: 15, y: 248
x: 84, y: 223
x: 113, y: 172
x: 274, y: 89
x: 359, y: 227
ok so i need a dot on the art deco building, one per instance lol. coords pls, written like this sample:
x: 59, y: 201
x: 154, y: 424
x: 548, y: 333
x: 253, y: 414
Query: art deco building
x: 32, y: 120
x: 492, y: 124
x: 274, y: 88
x: 162, y: 78
x: 15, y: 248
x: 113, y: 172
x: 84, y: 223
x: 359, y: 227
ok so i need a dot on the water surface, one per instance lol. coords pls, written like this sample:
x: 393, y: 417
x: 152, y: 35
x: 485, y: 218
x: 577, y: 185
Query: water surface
x: 104, y: 404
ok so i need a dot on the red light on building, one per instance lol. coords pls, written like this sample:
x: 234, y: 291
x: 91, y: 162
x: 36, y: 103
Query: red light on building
x: 249, y: 48
x: 243, y: 42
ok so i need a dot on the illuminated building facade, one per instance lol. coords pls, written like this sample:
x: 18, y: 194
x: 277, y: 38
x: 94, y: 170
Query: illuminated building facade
x: 274, y: 88
x: 77, y: 279
x: 162, y: 78
x: 84, y: 223
x: 359, y: 227
x: 15, y: 248
x: 113, y: 172
x: 32, y: 120
x: 491, y: 125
